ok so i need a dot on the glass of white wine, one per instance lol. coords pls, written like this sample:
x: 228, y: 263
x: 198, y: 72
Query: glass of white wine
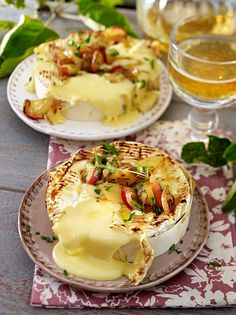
x: 202, y: 69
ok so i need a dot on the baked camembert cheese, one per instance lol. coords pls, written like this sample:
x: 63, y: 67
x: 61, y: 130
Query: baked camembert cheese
x: 113, y: 209
x: 103, y: 76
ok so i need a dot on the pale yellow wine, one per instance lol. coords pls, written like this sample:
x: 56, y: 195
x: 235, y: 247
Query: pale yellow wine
x: 205, y: 67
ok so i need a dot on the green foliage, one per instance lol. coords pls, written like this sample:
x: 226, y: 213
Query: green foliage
x: 6, y: 25
x: 17, y: 3
x: 212, y: 155
x: 219, y: 152
x: 19, y: 42
x: 103, y: 12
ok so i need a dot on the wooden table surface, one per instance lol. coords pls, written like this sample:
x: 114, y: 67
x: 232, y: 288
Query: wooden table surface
x: 23, y: 156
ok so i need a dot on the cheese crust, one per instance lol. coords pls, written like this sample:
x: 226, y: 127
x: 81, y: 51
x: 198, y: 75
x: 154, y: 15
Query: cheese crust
x: 149, y: 194
x: 103, y: 76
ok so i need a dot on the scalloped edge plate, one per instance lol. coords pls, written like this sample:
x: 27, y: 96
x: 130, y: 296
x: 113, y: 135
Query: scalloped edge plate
x: 33, y: 218
x: 75, y: 130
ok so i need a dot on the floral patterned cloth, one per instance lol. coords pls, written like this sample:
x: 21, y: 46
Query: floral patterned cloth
x: 198, y: 285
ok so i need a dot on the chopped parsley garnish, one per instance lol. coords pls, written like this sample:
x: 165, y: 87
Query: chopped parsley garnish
x: 110, y: 148
x: 37, y: 233
x: 46, y: 239
x: 65, y: 273
x: 152, y: 64
x: 151, y: 61
x: 113, y: 52
x: 97, y: 191
x: 30, y: 78
x: 98, y: 159
x: 27, y: 229
x: 139, y: 187
x: 77, y: 53
x: 87, y: 38
x: 111, y: 168
x: 70, y: 42
x: 172, y: 248
x: 140, y: 84
x: 107, y: 188
x: 49, y: 239
x: 157, y: 210
x: 130, y: 217
x: 214, y: 264
x: 138, y: 206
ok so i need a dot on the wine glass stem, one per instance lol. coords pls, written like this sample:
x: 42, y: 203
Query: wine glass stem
x: 202, y: 122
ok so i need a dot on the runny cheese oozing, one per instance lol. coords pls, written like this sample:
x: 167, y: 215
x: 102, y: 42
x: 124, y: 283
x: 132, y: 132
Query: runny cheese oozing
x: 88, y: 247
x: 115, y: 101
x: 112, y: 98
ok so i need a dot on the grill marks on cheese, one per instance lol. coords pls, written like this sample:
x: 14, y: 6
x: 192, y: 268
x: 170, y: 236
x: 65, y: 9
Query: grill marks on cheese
x: 94, y: 241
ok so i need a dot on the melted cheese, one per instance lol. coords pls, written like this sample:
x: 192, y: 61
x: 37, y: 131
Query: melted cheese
x: 87, y: 245
x: 93, y: 97
x: 109, y: 97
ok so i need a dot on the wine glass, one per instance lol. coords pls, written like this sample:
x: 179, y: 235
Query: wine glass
x: 157, y: 17
x: 202, y: 69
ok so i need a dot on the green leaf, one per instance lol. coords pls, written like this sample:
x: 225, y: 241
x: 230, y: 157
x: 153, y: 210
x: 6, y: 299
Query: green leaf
x: 17, y: 3
x: 230, y: 153
x: 105, y: 14
x: 192, y: 150
x: 112, y: 3
x: 230, y: 200
x: 6, y: 25
x: 217, y: 145
x: 18, y: 43
x: 213, y: 155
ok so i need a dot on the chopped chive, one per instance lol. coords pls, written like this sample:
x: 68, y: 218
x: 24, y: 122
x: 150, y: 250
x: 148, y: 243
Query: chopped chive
x: 87, y: 38
x: 138, y: 206
x: 97, y: 191
x: 152, y: 64
x: 30, y: 79
x: 107, y: 188
x: 27, y: 229
x: 214, y: 264
x: 146, y: 58
x: 70, y: 42
x: 55, y: 238
x: 113, y: 52
x: 130, y: 217
x: 65, y: 273
x: 172, y: 248
x: 37, y: 233
x: 46, y: 239
x: 110, y: 148
x: 140, y: 84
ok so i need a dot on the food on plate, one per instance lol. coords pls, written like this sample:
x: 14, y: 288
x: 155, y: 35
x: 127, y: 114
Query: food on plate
x: 116, y: 207
x: 103, y: 76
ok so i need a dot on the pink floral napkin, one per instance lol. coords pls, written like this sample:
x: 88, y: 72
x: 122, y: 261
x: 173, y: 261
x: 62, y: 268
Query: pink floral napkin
x: 198, y: 285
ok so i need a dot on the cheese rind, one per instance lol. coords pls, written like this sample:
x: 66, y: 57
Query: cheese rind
x: 91, y: 221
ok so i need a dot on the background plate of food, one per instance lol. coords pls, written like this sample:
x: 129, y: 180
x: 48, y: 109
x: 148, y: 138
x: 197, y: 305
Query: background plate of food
x: 116, y: 218
x: 90, y: 86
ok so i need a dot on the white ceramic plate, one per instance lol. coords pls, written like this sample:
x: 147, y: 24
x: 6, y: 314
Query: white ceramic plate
x: 75, y: 130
